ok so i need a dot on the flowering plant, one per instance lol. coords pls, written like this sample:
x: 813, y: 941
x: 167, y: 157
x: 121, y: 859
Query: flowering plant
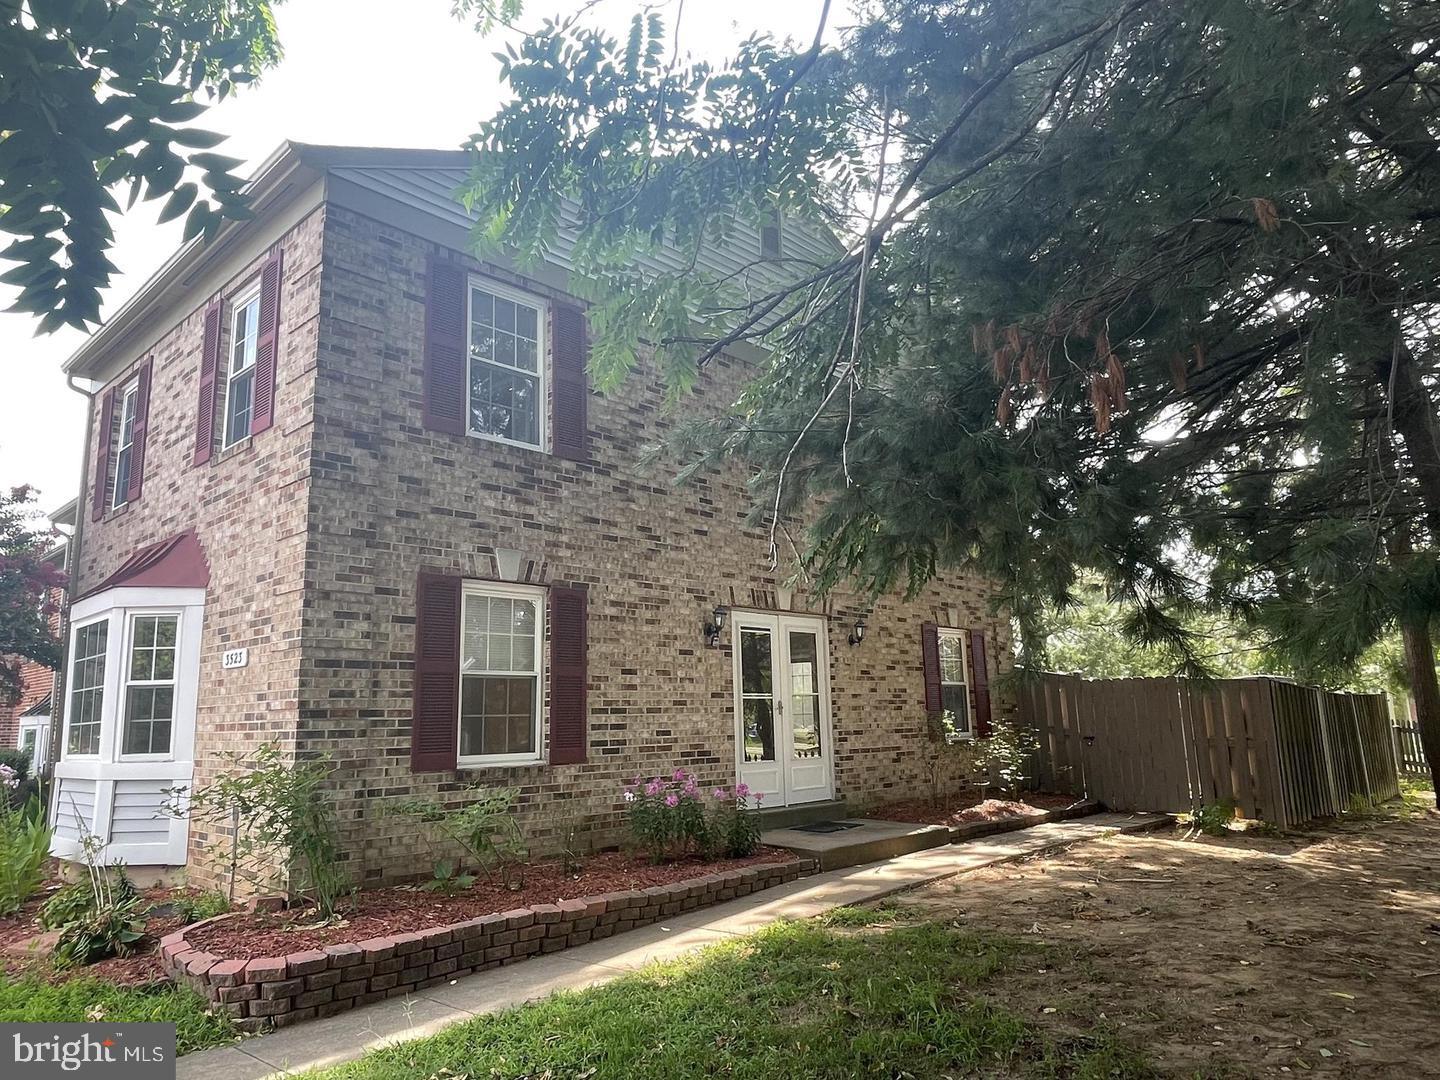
x: 670, y: 817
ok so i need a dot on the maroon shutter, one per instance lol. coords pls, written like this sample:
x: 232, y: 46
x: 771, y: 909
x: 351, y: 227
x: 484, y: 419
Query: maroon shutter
x: 435, y: 728
x: 570, y: 398
x: 137, y: 433
x: 567, y: 676
x: 445, y: 348
x: 105, y: 442
x: 980, y: 674
x: 209, y: 368
x: 930, y: 655
x: 262, y: 413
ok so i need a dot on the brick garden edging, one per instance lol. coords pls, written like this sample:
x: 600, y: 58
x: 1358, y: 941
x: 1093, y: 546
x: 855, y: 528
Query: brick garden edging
x: 281, y: 990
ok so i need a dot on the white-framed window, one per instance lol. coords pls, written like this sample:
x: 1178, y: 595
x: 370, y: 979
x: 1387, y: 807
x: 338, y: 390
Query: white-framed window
x: 150, y: 684
x: 502, y: 636
x: 125, y: 445
x: 240, y: 364
x: 506, y: 364
x: 954, y: 687
x: 87, y: 689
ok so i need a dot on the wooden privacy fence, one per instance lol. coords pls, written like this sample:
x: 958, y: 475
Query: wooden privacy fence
x: 1278, y: 751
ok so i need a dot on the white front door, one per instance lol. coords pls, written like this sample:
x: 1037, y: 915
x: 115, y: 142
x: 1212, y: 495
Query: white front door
x: 782, y: 707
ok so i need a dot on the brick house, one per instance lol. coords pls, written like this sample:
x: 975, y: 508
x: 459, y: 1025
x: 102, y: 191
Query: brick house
x: 350, y: 492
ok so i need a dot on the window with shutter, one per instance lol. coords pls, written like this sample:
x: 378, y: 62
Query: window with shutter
x: 124, y: 440
x: 979, y: 669
x: 104, y: 443
x: 571, y: 396
x: 209, y: 371
x: 445, y: 394
x: 267, y: 342
x: 437, y: 672
x: 569, y: 714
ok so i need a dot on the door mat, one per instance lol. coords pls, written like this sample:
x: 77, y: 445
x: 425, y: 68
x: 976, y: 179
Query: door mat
x: 826, y: 826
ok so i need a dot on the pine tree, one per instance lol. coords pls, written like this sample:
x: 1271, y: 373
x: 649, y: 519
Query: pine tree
x: 1145, y: 290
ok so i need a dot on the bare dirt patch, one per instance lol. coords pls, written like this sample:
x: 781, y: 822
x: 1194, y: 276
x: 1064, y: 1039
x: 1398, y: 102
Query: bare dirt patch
x: 1241, y: 956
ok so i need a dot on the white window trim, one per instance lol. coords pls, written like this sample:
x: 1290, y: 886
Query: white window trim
x: 76, y: 626
x: 944, y: 634
x: 121, y: 706
x: 521, y: 592
x: 110, y: 767
x: 542, y: 344
x: 242, y: 300
x: 129, y: 401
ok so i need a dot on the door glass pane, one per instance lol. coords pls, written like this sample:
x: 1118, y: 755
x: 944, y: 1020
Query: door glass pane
x: 759, y: 729
x: 805, y: 694
x: 755, y: 672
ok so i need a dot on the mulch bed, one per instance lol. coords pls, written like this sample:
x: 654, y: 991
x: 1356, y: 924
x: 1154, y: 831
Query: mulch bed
x: 970, y: 807
x: 140, y: 968
x: 404, y: 909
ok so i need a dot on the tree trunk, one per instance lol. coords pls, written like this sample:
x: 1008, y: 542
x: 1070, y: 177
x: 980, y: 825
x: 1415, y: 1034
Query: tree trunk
x: 1413, y: 414
x: 1425, y: 689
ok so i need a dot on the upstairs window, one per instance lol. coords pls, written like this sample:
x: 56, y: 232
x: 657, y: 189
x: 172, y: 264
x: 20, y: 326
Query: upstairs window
x: 506, y: 365
x: 771, y: 239
x: 240, y: 365
x: 87, y: 688
x: 125, y: 445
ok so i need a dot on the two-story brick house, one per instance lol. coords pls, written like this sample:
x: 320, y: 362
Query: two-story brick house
x: 351, y: 492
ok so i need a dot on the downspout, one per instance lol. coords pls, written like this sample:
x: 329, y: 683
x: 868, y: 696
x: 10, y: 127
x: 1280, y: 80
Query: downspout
x: 72, y: 562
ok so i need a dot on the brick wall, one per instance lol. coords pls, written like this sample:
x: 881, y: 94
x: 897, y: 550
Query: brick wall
x: 389, y: 498
x: 248, y: 506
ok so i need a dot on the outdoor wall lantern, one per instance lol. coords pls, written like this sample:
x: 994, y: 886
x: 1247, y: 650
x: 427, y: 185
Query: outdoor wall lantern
x: 857, y: 635
x: 713, y: 628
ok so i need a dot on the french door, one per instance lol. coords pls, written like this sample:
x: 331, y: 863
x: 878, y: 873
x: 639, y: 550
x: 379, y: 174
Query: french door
x: 782, y: 707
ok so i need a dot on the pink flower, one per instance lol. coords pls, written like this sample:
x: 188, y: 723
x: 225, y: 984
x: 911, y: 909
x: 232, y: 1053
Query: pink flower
x: 654, y: 787
x: 758, y: 796
x: 679, y: 775
x: 741, y: 790
x: 672, y: 800
x: 720, y: 793
x: 692, y: 789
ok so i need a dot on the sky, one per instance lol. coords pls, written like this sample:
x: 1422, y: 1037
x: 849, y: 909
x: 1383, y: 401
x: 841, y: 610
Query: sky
x: 363, y: 72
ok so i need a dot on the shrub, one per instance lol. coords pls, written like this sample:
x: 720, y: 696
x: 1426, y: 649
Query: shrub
x: 485, y: 827
x: 1213, y: 819
x: 282, y: 827
x: 669, y: 818
x: 24, y: 850
x: 97, y: 918
x: 1008, y: 753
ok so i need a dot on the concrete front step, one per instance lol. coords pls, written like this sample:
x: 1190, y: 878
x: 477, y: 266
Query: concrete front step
x: 868, y: 841
x: 787, y: 817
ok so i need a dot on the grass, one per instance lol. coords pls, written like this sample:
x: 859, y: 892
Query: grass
x: 31, y: 999
x: 796, y: 999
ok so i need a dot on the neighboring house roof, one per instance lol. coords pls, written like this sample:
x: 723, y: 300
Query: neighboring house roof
x: 40, y: 708
x: 412, y: 190
x: 176, y: 563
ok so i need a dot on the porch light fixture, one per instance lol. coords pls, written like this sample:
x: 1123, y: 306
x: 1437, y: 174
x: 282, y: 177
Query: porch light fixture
x: 713, y: 628
x: 857, y: 635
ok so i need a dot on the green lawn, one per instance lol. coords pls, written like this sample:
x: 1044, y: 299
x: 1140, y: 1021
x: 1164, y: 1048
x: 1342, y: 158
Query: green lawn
x: 31, y: 999
x: 834, y: 998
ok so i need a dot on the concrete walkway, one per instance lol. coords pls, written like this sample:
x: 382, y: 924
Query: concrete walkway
x: 347, y: 1036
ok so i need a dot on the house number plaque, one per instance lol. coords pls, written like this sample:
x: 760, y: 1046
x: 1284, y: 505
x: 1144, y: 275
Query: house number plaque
x: 233, y: 658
